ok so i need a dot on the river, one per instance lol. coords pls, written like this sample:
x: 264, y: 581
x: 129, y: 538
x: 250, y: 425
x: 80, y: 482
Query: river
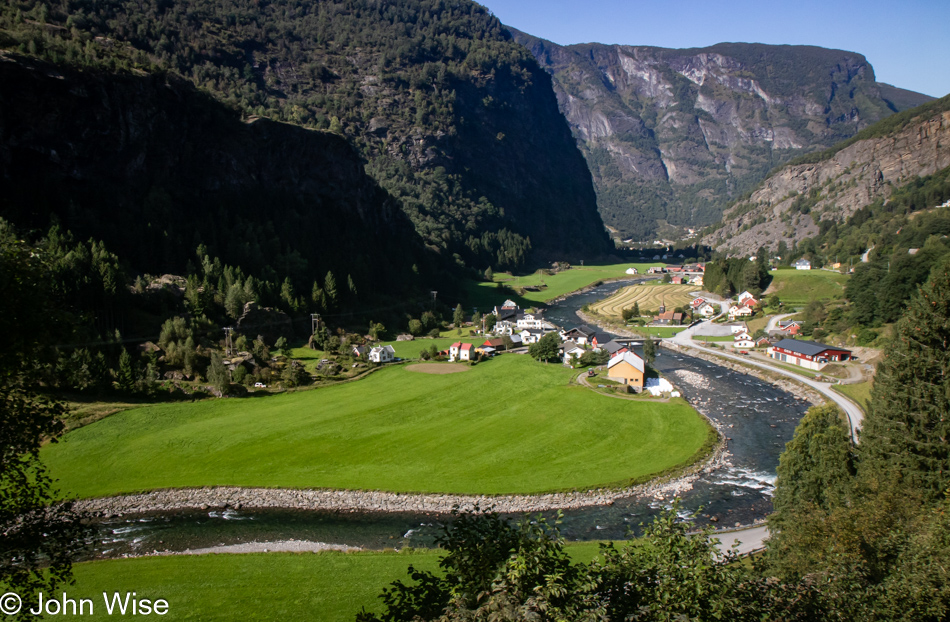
x: 756, y: 418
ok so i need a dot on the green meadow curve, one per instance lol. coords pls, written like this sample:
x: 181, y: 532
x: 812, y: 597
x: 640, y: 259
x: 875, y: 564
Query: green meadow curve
x: 506, y: 426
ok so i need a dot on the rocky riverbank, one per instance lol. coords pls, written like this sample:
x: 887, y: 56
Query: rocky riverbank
x: 788, y: 385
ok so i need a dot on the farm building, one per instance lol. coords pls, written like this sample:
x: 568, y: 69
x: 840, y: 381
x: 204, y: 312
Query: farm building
x: 627, y: 368
x: 808, y: 354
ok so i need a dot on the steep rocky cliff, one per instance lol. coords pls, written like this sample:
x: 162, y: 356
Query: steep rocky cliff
x: 451, y: 117
x: 155, y: 168
x: 672, y: 136
x: 793, y: 203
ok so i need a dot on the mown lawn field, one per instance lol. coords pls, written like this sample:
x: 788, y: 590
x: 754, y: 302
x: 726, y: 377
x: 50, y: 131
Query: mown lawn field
x: 510, y: 425
x: 799, y: 287
x: 411, y: 349
x: 648, y: 297
x: 324, y: 587
x: 486, y: 295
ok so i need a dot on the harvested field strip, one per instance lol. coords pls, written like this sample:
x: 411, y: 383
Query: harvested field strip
x: 649, y: 297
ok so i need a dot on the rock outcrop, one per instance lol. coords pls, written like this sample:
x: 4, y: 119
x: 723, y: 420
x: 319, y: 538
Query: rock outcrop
x: 672, y: 136
x: 791, y: 204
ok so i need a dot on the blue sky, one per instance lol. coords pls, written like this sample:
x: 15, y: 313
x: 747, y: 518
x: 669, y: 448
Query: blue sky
x: 907, y: 42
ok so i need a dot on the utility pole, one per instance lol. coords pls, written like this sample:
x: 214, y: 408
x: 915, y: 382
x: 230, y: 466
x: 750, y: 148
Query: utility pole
x: 315, y: 323
x: 434, y: 294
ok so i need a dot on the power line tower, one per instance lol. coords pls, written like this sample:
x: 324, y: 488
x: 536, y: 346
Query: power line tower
x: 434, y: 294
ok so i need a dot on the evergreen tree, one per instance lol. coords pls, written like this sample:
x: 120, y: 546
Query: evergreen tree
x: 330, y: 291
x: 459, y: 316
x: 907, y: 428
x: 125, y: 377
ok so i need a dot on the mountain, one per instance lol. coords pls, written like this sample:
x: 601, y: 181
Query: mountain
x: 450, y: 116
x: 672, y: 136
x: 154, y: 168
x: 823, y: 190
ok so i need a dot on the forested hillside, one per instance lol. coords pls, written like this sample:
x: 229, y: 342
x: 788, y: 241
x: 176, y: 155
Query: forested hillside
x: 453, y: 119
x: 672, y: 136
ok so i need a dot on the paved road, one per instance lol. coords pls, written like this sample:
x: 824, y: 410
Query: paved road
x: 852, y: 410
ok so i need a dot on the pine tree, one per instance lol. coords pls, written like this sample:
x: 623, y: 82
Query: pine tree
x: 125, y: 378
x: 329, y: 290
x: 459, y: 317
x: 907, y: 429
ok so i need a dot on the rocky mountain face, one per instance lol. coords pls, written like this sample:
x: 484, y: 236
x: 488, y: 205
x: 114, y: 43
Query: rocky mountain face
x: 673, y: 136
x: 451, y: 117
x: 798, y: 200
x: 155, y: 168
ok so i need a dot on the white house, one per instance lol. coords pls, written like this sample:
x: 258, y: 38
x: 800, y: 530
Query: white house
x: 529, y: 320
x: 737, y: 311
x: 744, y: 295
x: 568, y: 349
x: 735, y: 329
x: 632, y: 271
x: 531, y: 335
x: 743, y: 342
x: 708, y: 310
x: 802, y: 264
x: 460, y: 352
x: 382, y: 354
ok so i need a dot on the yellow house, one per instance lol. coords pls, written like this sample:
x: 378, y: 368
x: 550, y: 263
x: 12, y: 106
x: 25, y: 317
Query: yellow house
x: 627, y: 368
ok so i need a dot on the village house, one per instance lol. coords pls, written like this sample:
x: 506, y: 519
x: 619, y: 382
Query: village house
x: 677, y: 280
x: 743, y: 340
x: 802, y: 264
x: 529, y: 320
x: 707, y: 310
x: 669, y: 318
x: 763, y: 342
x: 570, y: 349
x: 627, y: 368
x: 460, y: 352
x: 696, y: 280
x: 359, y: 351
x: 808, y: 354
x: 580, y: 335
x: 613, y: 348
x: 531, y: 335
x: 735, y: 329
x: 382, y: 354
x: 697, y: 302
x: 497, y: 343
x: 737, y: 311
x: 631, y: 271
x: 790, y: 327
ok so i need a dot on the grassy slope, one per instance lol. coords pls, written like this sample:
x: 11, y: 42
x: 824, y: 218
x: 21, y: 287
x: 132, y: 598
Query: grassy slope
x: 860, y: 392
x: 485, y: 295
x: 410, y: 349
x: 799, y: 287
x: 507, y: 426
x: 326, y: 587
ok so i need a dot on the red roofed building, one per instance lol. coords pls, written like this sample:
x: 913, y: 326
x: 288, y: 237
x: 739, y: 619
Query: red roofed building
x: 460, y: 352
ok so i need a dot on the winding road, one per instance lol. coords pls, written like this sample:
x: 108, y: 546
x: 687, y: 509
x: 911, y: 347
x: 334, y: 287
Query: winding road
x: 753, y: 539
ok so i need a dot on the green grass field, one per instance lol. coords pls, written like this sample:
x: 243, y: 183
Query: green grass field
x: 325, y: 587
x: 510, y: 425
x: 657, y: 331
x: 648, y: 297
x: 411, y: 349
x: 799, y: 287
x: 485, y: 295
x: 860, y: 393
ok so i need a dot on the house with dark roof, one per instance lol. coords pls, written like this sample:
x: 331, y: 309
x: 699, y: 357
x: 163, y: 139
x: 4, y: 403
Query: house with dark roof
x: 809, y: 354
x: 597, y: 340
x: 581, y: 334
x: 613, y: 348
